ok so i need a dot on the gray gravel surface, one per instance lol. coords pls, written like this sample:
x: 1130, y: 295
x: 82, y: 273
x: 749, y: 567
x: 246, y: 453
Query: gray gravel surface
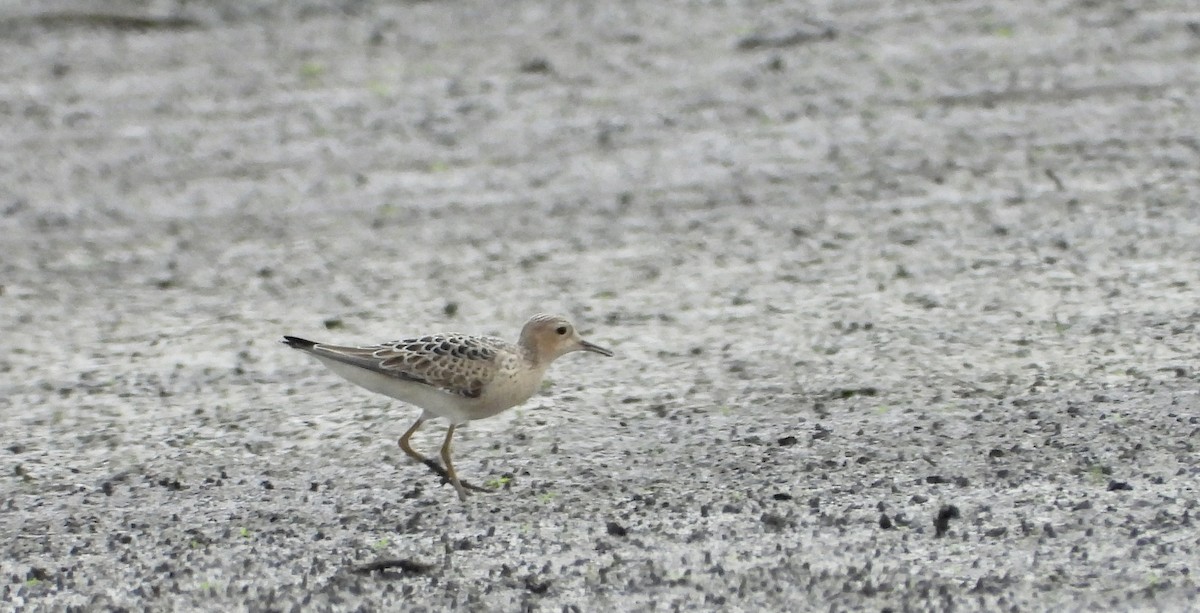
x: 905, y: 297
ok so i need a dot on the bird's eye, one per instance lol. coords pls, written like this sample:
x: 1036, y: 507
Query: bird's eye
x: 561, y: 330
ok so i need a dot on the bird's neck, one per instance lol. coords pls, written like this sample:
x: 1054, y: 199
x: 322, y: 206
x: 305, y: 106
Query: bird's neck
x: 533, y: 358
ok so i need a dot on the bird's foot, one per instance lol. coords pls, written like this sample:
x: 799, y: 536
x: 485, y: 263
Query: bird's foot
x: 440, y: 471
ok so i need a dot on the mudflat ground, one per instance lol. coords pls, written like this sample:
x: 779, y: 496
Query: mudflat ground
x: 905, y: 298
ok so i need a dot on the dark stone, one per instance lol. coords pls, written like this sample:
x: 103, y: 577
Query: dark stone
x: 941, y: 523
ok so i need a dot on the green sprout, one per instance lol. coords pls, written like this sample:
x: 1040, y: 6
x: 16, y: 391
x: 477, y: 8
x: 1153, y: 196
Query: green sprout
x: 312, y: 71
x: 379, y: 88
x: 498, y: 482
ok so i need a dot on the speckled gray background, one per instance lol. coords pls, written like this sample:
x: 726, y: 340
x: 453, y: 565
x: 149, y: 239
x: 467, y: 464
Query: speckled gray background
x: 863, y: 263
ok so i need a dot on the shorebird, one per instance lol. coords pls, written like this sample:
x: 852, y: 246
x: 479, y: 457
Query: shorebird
x: 455, y: 376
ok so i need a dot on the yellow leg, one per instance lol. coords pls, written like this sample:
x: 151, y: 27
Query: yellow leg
x: 462, y: 493
x: 447, y: 474
x: 408, y: 450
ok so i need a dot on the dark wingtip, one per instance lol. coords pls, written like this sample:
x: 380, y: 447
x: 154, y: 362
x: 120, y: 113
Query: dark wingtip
x: 298, y: 343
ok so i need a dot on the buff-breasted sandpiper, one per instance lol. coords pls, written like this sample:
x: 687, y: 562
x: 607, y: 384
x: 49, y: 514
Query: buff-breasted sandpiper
x: 455, y: 376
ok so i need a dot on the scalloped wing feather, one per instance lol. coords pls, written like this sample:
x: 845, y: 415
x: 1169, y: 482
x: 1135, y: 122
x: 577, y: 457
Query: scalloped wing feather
x: 453, y: 363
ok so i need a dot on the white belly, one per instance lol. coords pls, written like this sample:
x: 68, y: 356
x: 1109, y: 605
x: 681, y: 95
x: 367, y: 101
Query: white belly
x: 435, y: 403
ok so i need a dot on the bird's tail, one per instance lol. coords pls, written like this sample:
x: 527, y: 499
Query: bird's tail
x: 298, y: 343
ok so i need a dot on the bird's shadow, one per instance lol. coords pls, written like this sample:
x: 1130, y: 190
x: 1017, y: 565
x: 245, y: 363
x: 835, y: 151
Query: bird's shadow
x: 440, y: 471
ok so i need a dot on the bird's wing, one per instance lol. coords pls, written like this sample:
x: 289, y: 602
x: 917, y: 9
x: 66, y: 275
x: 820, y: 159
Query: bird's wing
x: 454, y: 363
